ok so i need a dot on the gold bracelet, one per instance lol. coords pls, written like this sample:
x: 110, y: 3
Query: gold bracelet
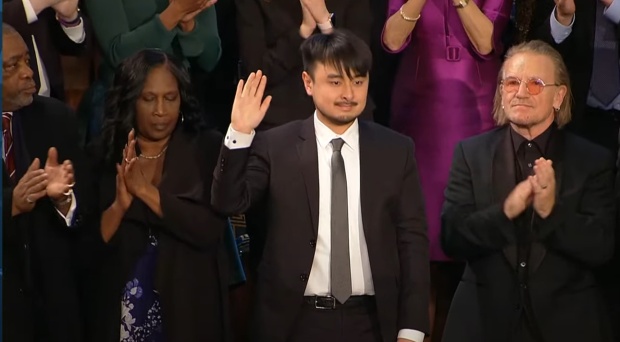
x: 406, y: 18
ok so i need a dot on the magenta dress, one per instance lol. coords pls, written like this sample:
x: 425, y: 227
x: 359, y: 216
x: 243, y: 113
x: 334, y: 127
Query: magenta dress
x: 443, y: 93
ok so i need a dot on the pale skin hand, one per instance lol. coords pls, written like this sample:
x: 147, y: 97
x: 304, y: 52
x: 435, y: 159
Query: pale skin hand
x: 543, y: 187
x: 30, y: 188
x: 519, y: 199
x: 308, y: 24
x: 249, y: 108
x: 66, y: 9
x: 317, y: 9
x: 565, y: 10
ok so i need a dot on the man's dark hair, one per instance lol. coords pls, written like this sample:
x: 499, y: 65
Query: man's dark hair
x: 340, y: 49
x: 121, y: 98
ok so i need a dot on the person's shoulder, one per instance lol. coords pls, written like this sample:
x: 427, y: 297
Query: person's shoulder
x: 50, y: 106
x: 484, y: 139
x: 585, y: 151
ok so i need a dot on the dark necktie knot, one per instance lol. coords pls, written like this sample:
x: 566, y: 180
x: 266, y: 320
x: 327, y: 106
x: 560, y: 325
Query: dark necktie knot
x: 337, y: 144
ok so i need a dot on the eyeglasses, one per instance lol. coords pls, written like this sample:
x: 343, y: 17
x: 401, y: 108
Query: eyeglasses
x: 534, y: 86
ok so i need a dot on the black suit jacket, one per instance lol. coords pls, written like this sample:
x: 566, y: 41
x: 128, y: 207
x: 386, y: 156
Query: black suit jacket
x: 577, y: 237
x: 192, y: 268
x: 52, y: 42
x: 282, y: 169
x: 577, y: 50
x: 269, y: 40
x: 41, y: 260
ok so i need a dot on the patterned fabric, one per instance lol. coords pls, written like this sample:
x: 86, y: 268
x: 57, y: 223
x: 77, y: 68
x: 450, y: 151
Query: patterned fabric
x: 7, y: 136
x: 141, y: 319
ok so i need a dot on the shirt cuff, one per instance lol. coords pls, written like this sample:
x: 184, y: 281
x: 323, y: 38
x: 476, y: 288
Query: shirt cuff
x: 31, y: 16
x: 560, y: 32
x: 69, y: 218
x: 411, y: 334
x: 236, y: 140
x: 613, y: 12
x: 75, y: 33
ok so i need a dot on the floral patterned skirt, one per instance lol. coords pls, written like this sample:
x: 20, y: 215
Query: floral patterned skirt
x: 140, y: 309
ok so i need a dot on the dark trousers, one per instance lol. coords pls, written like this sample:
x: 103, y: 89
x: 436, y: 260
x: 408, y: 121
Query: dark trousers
x: 357, y: 323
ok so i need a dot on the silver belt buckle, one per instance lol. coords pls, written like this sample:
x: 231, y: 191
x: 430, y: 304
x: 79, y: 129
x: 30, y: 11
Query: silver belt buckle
x: 331, y: 305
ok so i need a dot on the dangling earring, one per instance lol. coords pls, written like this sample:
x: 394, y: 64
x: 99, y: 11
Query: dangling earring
x: 182, y: 118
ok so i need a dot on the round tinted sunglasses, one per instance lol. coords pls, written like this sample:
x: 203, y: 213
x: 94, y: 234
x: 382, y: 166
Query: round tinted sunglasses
x: 534, y: 86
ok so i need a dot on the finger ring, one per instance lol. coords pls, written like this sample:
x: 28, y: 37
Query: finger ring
x: 68, y: 192
x: 126, y: 160
x: 29, y: 200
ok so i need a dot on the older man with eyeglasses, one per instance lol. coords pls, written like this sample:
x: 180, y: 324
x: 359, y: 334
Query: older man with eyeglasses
x: 531, y: 209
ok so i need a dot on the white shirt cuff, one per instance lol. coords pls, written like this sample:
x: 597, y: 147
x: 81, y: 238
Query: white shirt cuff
x: 75, y: 33
x: 560, y: 32
x: 613, y: 12
x: 411, y: 334
x: 236, y: 140
x: 69, y: 218
x: 31, y: 16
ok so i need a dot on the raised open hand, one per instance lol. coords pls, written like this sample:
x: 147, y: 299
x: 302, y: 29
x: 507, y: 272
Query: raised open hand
x: 249, y: 108
x: 60, y: 176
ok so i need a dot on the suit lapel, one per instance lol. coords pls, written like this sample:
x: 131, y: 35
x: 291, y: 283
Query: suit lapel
x: 370, y: 157
x: 504, y: 179
x: 309, y: 165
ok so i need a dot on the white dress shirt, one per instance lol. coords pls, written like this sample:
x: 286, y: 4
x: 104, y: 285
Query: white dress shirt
x: 69, y: 218
x: 361, y: 275
x: 75, y: 33
x: 560, y: 32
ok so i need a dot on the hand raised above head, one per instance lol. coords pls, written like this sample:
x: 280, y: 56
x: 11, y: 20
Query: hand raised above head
x: 249, y: 107
x: 565, y: 10
x: 318, y: 9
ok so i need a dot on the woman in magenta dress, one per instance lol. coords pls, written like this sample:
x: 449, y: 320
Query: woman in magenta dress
x: 443, y: 93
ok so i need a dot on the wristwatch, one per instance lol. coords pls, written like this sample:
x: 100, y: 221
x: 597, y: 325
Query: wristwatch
x: 461, y: 4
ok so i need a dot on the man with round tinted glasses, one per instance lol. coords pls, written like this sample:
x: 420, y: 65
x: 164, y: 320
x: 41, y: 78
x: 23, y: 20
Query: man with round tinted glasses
x: 531, y: 209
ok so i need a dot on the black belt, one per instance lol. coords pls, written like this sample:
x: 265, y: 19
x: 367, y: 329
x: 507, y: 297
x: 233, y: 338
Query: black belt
x: 330, y: 303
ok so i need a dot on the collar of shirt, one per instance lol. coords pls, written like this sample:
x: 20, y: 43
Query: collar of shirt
x: 540, y: 141
x: 324, y: 135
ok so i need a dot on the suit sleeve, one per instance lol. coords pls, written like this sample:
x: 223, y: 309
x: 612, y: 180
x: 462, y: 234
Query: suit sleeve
x: 241, y: 177
x: 203, y: 43
x: 192, y: 220
x: 540, y: 28
x: 587, y: 233
x: 65, y: 45
x: 467, y: 232
x: 117, y: 40
x: 14, y: 14
x: 412, y: 251
x: 277, y: 61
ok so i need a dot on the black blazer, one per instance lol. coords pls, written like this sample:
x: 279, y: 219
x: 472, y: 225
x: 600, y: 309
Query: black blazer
x: 569, y: 244
x: 191, y: 272
x: 282, y: 168
x: 52, y: 42
x: 577, y: 50
x: 269, y: 40
x: 41, y: 263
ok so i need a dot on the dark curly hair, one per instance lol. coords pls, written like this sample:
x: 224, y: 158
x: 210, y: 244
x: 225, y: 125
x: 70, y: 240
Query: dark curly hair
x: 120, y: 101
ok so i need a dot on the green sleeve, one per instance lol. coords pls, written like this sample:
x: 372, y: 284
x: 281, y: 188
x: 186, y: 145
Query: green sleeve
x: 203, y: 43
x: 117, y: 39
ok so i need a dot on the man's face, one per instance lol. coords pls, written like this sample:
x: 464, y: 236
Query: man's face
x: 18, y: 86
x: 534, y: 107
x: 337, y: 98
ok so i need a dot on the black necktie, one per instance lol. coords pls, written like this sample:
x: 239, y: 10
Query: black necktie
x: 340, y: 265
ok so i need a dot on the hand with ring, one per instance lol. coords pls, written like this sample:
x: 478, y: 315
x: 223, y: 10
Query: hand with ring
x: 543, y: 184
x: 29, y: 189
x: 60, y: 176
